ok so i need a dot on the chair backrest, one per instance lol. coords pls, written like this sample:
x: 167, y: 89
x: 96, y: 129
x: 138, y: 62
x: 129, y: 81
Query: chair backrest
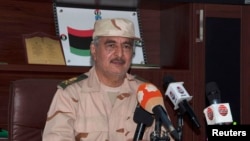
x: 29, y: 103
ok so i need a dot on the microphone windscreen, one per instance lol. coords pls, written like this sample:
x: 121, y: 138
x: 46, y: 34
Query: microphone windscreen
x: 142, y: 116
x: 218, y: 114
x: 149, y: 96
x: 213, y: 93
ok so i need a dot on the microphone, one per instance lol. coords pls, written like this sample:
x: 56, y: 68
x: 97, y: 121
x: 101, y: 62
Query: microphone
x: 143, y: 119
x: 179, y: 96
x: 213, y: 93
x: 217, y: 113
x: 150, y: 99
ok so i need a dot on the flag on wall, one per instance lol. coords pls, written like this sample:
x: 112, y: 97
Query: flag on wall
x: 79, y: 41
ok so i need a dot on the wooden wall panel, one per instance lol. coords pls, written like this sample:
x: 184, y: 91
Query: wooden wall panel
x: 245, y: 56
x: 150, y: 26
x: 22, y: 17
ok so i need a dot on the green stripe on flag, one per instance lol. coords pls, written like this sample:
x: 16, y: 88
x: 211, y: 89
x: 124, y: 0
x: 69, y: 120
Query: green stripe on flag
x: 80, y: 52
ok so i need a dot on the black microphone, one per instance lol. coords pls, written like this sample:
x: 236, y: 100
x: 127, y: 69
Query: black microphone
x: 143, y: 120
x: 180, y: 97
x: 213, y: 93
x: 217, y: 113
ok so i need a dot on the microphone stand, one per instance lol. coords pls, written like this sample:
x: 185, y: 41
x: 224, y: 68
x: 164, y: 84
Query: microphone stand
x: 180, y: 125
x: 158, y: 134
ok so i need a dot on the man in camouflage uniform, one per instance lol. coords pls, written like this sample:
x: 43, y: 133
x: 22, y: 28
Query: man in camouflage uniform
x: 99, y: 105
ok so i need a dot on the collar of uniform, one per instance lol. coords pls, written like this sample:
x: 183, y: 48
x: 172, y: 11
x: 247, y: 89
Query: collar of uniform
x: 94, y: 83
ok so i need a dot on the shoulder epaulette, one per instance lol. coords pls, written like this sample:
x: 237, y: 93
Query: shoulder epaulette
x: 140, y: 78
x: 70, y: 81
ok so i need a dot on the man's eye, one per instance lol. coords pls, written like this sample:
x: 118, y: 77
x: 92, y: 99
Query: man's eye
x: 110, y: 45
x: 127, y: 46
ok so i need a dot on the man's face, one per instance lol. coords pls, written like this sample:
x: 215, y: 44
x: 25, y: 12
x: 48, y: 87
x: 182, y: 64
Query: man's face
x: 113, y: 55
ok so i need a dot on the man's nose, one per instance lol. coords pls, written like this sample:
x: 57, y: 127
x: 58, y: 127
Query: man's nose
x: 119, y: 50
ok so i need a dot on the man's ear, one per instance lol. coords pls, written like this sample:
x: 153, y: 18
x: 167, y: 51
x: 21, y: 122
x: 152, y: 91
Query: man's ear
x: 93, y: 51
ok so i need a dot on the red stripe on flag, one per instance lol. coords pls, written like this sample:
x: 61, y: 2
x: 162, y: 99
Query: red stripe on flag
x: 80, y: 33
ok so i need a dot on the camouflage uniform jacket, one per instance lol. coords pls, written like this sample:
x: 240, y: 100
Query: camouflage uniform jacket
x: 81, y: 112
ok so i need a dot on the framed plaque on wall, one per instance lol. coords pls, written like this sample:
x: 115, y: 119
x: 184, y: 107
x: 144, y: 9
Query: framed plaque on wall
x: 43, y: 49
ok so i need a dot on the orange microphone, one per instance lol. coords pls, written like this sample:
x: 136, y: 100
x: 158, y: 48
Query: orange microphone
x: 148, y: 96
x: 151, y: 100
